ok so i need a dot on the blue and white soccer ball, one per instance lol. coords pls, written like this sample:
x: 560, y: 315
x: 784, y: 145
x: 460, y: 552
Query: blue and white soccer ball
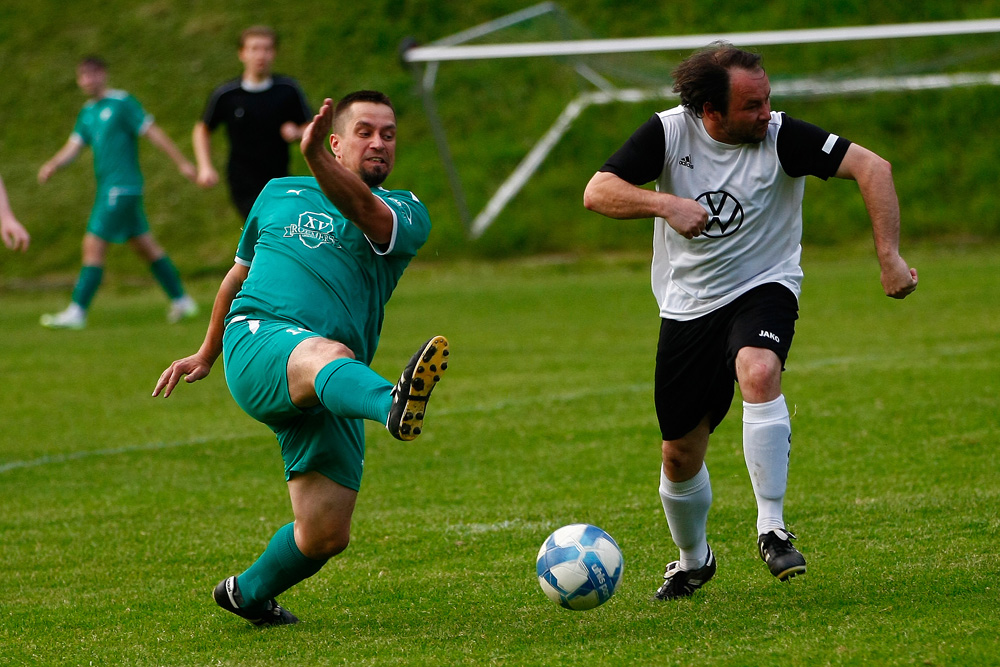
x: 579, y: 566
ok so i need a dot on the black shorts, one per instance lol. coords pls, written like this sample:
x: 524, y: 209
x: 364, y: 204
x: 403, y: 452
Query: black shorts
x: 244, y: 186
x: 243, y: 201
x: 244, y: 196
x: 696, y: 359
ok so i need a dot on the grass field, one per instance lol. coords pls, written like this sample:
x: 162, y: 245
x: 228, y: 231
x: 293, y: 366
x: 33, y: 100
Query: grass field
x: 121, y: 512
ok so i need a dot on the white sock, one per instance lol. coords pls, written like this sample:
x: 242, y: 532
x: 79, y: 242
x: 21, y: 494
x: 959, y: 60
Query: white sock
x: 767, y: 441
x: 686, y: 505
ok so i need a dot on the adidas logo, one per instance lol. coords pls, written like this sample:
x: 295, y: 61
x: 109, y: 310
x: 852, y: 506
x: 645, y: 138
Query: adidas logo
x: 686, y: 162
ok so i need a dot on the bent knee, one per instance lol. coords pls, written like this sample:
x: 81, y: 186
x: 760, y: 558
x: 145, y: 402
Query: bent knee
x: 319, y: 350
x: 340, y: 351
x: 758, y: 372
x: 680, y: 464
x: 334, y: 547
x: 326, y: 547
x: 758, y: 378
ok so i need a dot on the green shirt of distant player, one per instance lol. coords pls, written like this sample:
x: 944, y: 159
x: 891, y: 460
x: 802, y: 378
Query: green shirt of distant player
x: 311, y: 267
x: 111, y: 126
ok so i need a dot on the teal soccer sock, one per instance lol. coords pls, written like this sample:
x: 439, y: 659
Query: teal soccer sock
x: 166, y: 274
x: 87, y: 284
x: 348, y: 388
x: 280, y: 567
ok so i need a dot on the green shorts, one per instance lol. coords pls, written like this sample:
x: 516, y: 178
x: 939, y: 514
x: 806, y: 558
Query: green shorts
x: 118, y: 215
x: 255, y: 353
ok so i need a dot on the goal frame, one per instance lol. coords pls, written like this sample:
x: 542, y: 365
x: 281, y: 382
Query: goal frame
x: 425, y: 61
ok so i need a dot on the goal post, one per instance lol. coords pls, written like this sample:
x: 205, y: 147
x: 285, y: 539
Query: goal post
x: 438, y: 53
x: 425, y: 62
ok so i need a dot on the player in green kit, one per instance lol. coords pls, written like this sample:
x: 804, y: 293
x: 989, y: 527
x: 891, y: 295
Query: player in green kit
x: 298, y: 319
x: 111, y: 123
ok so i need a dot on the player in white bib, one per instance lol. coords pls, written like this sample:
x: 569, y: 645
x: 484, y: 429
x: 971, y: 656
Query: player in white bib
x: 729, y: 176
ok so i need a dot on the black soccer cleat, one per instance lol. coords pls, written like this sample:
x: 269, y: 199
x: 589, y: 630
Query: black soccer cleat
x: 781, y: 557
x: 227, y: 595
x: 680, y: 583
x: 409, y: 396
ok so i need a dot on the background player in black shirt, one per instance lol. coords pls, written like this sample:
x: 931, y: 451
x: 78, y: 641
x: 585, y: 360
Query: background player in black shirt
x: 262, y: 112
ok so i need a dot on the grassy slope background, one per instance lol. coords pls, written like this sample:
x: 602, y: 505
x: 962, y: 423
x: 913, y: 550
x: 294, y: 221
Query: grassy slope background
x: 171, y: 54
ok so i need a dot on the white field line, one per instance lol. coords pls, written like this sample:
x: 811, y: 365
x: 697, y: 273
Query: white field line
x: 607, y: 390
x: 127, y: 449
x: 508, y: 525
x: 158, y: 446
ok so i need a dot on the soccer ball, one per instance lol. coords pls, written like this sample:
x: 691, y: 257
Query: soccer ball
x: 579, y: 566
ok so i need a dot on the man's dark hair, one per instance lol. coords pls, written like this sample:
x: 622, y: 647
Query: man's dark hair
x: 704, y: 76
x: 360, y: 96
x: 93, y: 62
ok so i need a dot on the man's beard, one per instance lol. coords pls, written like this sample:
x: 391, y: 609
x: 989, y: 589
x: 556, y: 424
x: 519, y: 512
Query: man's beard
x: 373, y: 179
x: 746, y: 135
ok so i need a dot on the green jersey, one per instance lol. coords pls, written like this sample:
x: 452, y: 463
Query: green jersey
x: 111, y: 126
x: 313, y: 268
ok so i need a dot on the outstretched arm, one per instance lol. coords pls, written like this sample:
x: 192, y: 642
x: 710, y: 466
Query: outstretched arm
x: 63, y: 156
x: 343, y: 187
x: 201, y: 140
x: 15, y: 236
x: 199, y: 364
x: 874, y: 177
x: 614, y: 197
x: 159, y: 138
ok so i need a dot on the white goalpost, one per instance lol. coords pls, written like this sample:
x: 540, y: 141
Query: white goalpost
x: 455, y: 48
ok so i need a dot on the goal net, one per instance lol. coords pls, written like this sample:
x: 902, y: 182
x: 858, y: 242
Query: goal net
x: 510, y: 73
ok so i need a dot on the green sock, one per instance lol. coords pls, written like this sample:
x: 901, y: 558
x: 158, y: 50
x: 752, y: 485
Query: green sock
x: 168, y: 277
x: 87, y: 284
x: 348, y: 388
x: 280, y: 567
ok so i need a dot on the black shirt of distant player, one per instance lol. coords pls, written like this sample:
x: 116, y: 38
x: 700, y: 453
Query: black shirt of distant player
x: 253, y: 120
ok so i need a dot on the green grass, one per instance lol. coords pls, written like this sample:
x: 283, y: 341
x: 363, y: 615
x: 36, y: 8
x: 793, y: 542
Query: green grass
x: 121, y: 511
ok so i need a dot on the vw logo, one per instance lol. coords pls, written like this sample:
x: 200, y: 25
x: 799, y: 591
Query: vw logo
x: 725, y: 214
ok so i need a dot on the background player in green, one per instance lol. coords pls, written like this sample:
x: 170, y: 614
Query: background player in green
x: 110, y: 123
x: 298, y: 319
